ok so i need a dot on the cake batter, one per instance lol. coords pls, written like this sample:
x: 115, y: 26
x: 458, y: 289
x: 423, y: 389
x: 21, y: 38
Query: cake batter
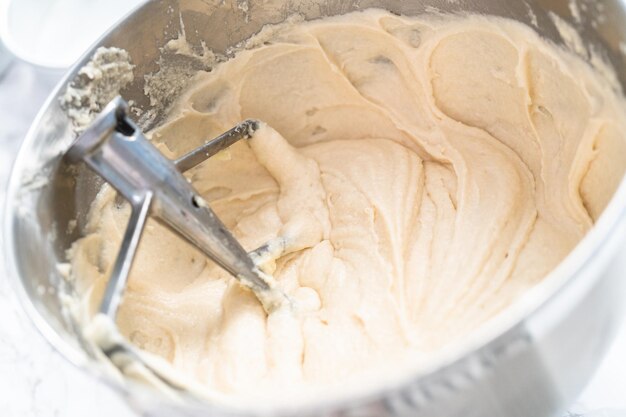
x: 416, y: 176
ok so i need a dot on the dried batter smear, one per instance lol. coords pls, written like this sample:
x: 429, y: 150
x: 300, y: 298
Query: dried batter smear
x: 96, y: 84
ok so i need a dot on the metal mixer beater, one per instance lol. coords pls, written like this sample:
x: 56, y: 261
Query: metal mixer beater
x: 115, y: 148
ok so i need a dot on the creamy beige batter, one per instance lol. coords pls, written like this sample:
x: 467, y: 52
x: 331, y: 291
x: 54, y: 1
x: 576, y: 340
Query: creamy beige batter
x: 421, y: 174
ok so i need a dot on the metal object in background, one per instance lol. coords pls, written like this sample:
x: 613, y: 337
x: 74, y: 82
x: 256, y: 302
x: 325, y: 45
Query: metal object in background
x: 531, y: 361
x: 43, y: 32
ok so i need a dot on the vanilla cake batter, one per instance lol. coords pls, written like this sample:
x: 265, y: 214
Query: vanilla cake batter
x: 417, y: 175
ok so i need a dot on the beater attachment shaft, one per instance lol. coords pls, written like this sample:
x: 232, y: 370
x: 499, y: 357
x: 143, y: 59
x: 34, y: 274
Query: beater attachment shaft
x: 115, y: 148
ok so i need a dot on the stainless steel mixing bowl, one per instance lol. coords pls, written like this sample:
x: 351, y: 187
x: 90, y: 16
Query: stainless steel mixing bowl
x: 532, y: 361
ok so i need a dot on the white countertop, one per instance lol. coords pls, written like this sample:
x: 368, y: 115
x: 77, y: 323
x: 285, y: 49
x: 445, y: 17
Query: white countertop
x: 35, y: 381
